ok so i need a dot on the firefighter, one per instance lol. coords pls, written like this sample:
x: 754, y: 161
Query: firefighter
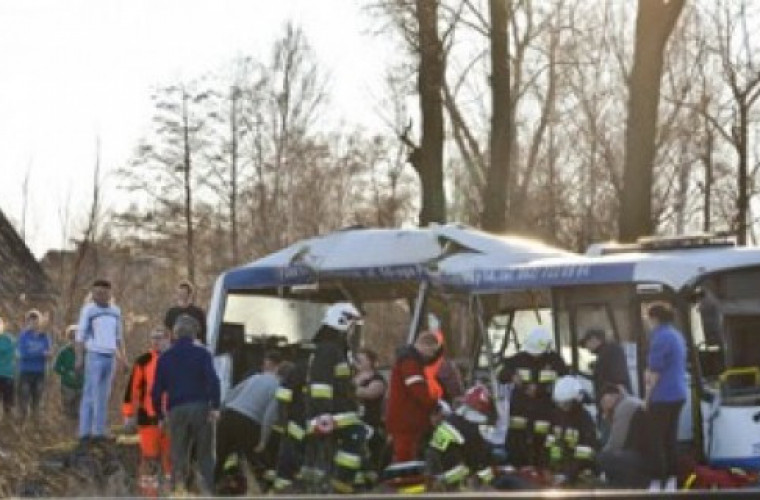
x: 291, y: 399
x: 457, y: 449
x: 571, y: 446
x: 533, y: 372
x: 331, y: 408
x: 138, y: 411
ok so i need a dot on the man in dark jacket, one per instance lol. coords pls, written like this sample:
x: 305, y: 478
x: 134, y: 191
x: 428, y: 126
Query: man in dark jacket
x: 410, y: 403
x: 185, y: 375
x: 184, y: 305
x: 611, y: 366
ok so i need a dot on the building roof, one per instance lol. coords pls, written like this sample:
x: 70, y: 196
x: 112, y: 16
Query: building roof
x: 22, y: 279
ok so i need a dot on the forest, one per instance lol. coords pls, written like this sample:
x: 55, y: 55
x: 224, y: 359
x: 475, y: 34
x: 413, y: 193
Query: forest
x: 570, y: 121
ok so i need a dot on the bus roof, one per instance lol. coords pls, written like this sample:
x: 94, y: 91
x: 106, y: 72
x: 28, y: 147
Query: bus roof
x: 673, y: 268
x: 380, y: 255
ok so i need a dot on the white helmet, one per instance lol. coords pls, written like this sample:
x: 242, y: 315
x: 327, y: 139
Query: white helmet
x: 341, y: 316
x: 539, y: 341
x: 567, y: 389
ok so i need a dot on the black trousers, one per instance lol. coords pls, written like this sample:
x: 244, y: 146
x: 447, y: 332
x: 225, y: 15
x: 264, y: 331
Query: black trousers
x: 235, y: 433
x: 7, y: 391
x: 30, y: 387
x: 662, y: 422
x: 623, y: 468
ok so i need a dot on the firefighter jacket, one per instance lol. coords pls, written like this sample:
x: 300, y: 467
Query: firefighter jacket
x: 137, y: 396
x: 330, y: 388
x: 571, y: 446
x: 410, y: 403
x: 456, y: 450
x: 531, y: 402
x: 291, y: 398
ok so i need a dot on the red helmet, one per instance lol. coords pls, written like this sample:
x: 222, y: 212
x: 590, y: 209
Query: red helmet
x: 478, y: 398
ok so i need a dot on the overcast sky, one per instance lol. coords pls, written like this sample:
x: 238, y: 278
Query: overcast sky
x: 73, y: 70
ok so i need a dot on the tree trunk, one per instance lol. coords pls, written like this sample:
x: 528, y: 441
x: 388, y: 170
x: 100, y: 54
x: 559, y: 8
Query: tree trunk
x: 654, y: 23
x: 707, y: 159
x: 743, y: 198
x: 188, y: 189
x: 430, y: 83
x: 495, y: 202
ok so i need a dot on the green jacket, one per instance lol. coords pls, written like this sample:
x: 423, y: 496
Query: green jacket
x: 7, y: 355
x: 65, y: 363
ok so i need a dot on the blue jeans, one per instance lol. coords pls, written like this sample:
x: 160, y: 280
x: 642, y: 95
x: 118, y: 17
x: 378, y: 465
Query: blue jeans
x: 93, y: 412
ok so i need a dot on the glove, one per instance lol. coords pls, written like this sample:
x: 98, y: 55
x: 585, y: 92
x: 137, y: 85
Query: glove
x: 433, y: 322
x: 444, y: 407
x: 130, y: 425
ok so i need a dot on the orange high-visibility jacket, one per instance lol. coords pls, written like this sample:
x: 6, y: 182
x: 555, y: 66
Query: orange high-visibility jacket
x: 137, y: 399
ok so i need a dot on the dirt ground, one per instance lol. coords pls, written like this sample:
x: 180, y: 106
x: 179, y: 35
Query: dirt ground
x: 44, y: 459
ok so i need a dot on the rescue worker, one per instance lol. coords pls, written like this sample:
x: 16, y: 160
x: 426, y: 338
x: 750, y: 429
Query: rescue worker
x: 457, y: 449
x: 138, y: 411
x: 410, y: 403
x: 331, y: 409
x: 291, y: 400
x: 572, y: 444
x: 533, y: 372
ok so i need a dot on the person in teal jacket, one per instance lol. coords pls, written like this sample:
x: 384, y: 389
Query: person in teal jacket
x: 7, y: 368
x: 72, y: 380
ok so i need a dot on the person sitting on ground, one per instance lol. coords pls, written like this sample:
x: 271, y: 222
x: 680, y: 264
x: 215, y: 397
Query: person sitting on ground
x: 72, y: 380
x: 457, y: 447
x: 410, y: 403
x: 571, y: 446
x: 622, y: 456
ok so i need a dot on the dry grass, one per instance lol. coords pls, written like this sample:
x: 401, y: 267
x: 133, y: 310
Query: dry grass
x: 41, y: 459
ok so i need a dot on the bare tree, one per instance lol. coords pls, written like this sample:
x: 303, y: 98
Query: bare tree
x: 164, y: 165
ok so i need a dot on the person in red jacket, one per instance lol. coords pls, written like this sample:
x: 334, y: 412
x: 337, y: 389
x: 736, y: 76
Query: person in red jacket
x: 138, y: 411
x: 410, y: 403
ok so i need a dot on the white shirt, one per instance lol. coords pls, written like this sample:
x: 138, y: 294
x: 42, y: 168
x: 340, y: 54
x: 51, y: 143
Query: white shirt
x: 100, y: 328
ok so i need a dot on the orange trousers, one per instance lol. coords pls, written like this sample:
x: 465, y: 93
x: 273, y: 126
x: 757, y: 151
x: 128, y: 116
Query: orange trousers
x: 154, y: 444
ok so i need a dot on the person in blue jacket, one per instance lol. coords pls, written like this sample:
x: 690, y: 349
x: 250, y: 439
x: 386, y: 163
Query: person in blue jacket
x: 33, y: 353
x: 665, y: 382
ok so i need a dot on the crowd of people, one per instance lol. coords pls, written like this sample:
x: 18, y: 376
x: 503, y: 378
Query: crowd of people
x: 326, y: 419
